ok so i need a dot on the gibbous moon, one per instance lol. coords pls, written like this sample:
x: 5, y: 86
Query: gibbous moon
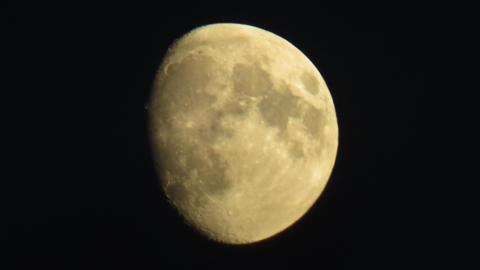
x: 244, y: 132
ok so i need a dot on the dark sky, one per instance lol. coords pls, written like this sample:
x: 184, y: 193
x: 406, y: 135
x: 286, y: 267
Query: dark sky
x: 87, y: 190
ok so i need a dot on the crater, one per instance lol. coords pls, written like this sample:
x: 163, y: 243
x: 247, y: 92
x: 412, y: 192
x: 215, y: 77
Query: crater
x: 177, y: 193
x: 310, y: 83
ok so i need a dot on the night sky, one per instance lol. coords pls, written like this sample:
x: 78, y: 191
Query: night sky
x: 87, y: 190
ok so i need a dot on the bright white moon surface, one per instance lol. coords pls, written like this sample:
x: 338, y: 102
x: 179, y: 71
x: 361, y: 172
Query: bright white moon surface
x: 244, y: 132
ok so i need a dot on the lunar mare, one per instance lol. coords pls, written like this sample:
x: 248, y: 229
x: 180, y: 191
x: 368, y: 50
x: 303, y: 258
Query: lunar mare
x: 244, y: 131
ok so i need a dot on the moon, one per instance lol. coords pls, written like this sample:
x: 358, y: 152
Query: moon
x: 243, y: 130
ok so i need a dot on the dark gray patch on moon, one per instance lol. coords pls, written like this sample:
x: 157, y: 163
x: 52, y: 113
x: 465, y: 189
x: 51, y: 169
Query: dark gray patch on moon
x: 211, y: 129
x: 250, y: 80
x: 186, y: 82
x: 313, y: 121
x: 235, y: 107
x: 277, y: 107
x: 176, y: 192
x: 296, y: 149
x: 210, y: 169
x: 310, y: 82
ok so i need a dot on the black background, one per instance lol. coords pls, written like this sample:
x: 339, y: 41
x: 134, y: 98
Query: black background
x: 87, y: 190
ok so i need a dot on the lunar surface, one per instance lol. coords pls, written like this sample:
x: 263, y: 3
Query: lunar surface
x: 244, y: 132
